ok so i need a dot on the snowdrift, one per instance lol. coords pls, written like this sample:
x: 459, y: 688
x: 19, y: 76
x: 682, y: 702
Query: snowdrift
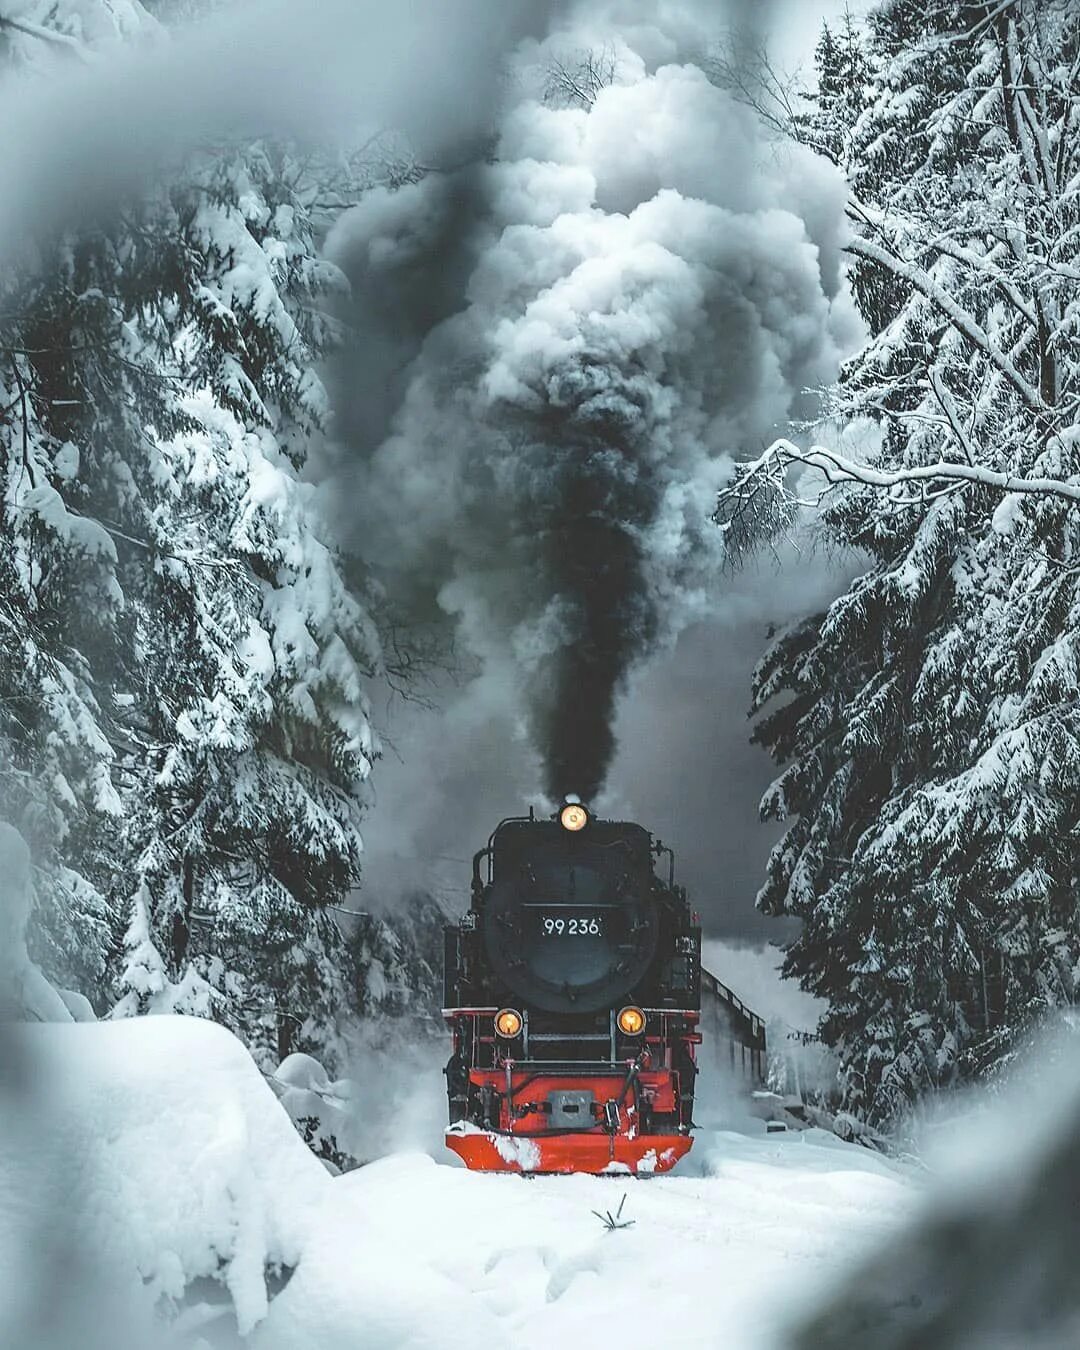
x: 157, y: 1145
x: 416, y: 1256
x: 159, y: 1151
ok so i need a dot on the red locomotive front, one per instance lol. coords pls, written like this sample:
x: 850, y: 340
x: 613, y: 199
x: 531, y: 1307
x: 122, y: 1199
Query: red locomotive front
x: 573, y: 995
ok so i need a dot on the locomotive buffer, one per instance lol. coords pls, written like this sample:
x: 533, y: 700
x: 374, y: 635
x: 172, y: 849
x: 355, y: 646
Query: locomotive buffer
x: 573, y: 992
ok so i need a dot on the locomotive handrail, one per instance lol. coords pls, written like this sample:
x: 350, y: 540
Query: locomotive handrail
x: 572, y: 1068
x: 660, y: 848
x: 509, y: 820
x: 559, y: 1036
x: 570, y: 904
x: 478, y: 885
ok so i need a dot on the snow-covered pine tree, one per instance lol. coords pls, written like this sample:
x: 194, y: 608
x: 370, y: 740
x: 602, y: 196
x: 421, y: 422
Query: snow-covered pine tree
x: 60, y: 599
x: 56, y: 584
x: 396, y: 958
x: 931, y: 717
x: 182, y: 666
x: 842, y: 85
x: 253, y: 686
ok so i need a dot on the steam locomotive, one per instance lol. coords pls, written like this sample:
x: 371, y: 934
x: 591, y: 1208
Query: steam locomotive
x: 574, y: 995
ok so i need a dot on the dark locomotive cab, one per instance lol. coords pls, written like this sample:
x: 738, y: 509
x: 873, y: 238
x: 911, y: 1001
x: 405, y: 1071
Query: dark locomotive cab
x: 573, y: 990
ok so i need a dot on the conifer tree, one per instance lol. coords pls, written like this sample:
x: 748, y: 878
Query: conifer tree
x: 184, y: 729
x: 264, y: 744
x: 929, y: 718
x: 843, y: 75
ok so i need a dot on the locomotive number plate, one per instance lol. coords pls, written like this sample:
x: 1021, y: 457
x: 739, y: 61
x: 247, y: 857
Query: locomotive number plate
x: 580, y: 925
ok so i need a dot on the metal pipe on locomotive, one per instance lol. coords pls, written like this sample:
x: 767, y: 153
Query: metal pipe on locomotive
x: 573, y: 995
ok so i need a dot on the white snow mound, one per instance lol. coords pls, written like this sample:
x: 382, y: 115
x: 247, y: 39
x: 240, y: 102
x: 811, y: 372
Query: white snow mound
x: 179, y: 1161
x: 167, y: 1155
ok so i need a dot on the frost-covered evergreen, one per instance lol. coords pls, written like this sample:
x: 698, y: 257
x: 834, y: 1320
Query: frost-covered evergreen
x: 843, y: 75
x: 183, y: 728
x: 261, y: 728
x: 396, y: 958
x: 931, y: 718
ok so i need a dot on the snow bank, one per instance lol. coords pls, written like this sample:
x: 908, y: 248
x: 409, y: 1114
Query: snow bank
x: 178, y: 1163
x: 155, y: 1154
x: 410, y: 1255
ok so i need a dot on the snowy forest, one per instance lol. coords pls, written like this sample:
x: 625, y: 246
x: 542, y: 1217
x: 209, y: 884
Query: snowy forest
x: 929, y: 736
x: 311, y: 344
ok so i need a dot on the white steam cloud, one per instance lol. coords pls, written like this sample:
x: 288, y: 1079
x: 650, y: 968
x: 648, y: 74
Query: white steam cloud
x: 648, y: 291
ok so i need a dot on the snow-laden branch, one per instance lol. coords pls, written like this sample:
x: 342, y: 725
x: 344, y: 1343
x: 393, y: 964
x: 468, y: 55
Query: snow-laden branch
x: 758, y: 500
x: 960, y: 318
x: 49, y: 35
x: 839, y: 468
x: 984, y: 264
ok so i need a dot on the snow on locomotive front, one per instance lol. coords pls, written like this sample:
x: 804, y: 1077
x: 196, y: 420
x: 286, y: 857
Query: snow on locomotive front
x: 572, y: 990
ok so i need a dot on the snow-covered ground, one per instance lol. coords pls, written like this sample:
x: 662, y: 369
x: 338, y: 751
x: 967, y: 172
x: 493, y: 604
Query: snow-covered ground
x: 409, y: 1253
x: 168, y: 1158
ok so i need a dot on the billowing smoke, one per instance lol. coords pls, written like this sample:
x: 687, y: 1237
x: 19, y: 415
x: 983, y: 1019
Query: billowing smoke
x: 646, y: 290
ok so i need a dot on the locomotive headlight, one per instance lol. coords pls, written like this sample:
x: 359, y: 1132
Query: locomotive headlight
x: 631, y: 1021
x: 573, y: 817
x: 508, y: 1023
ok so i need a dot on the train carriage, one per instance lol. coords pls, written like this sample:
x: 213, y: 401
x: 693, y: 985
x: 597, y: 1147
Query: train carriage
x: 573, y: 992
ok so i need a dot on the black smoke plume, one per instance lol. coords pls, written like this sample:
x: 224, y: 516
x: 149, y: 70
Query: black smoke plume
x: 595, y: 504
x: 630, y: 290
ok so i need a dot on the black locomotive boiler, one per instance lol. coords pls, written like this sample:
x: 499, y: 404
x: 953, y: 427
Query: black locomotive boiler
x: 573, y: 992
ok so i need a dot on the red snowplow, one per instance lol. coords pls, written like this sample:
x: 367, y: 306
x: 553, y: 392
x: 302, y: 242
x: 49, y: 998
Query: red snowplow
x: 584, y: 1120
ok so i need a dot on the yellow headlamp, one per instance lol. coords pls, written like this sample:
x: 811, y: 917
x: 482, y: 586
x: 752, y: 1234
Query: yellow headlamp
x: 573, y: 817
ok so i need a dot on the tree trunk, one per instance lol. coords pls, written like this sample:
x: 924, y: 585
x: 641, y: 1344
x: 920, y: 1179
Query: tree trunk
x: 285, y: 1031
x: 181, y: 925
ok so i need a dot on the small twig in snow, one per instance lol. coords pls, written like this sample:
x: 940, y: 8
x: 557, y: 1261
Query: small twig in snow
x: 613, y: 1221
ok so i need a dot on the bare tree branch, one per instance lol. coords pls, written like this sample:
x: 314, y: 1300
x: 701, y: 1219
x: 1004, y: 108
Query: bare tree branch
x: 759, y: 501
x: 577, y: 79
x: 749, y: 74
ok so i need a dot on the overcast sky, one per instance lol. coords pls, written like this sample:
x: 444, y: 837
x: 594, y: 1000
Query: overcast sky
x: 798, y: 24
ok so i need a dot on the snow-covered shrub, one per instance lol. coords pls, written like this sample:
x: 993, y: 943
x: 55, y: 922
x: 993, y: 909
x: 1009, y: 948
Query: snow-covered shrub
x: 317, y: 1106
